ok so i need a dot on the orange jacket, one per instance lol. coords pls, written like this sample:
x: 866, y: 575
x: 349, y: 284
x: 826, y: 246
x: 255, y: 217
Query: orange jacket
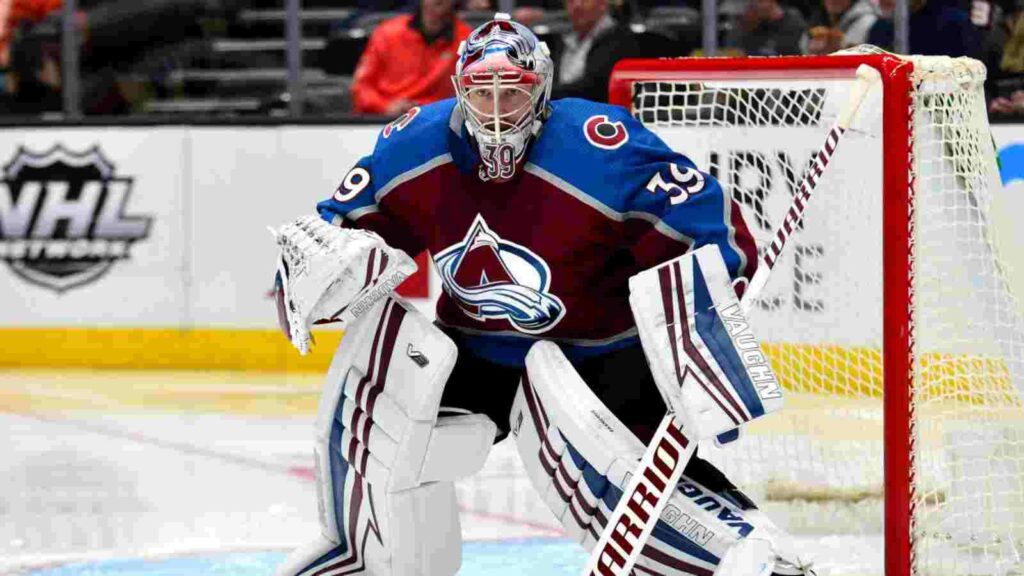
x: 398, y: 63
x: 14, y: 11
x: 34, y: 10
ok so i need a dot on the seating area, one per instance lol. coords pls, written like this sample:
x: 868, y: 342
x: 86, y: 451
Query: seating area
x: 230, y: 58
x: 244, y: 70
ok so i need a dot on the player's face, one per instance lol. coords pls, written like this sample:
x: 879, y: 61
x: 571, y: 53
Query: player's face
x: 512, y: 104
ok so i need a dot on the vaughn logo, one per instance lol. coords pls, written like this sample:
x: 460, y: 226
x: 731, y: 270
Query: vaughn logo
x: 62, y: 217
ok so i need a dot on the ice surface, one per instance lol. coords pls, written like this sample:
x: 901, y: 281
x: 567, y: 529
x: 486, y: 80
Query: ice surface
x: 99, y: 474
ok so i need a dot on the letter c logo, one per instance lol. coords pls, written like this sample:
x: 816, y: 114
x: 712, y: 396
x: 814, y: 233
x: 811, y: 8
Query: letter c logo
x: 605, y: 134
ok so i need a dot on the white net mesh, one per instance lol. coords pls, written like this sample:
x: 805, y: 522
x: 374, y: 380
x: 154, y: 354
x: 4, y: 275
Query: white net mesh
x: 817, y: 467
x: 969, y: 345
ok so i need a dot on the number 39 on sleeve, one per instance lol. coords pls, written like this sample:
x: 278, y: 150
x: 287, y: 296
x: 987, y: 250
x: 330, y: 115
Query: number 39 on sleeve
x: 355, y: 182
x: 685, y: 183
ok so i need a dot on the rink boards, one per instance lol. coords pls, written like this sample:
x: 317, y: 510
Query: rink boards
x: 186, y: 283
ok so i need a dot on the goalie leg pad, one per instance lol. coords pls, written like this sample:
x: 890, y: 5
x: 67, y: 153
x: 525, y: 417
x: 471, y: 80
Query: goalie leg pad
x: 386, y: 461
x: 579, y: 457
x: 704, y: 357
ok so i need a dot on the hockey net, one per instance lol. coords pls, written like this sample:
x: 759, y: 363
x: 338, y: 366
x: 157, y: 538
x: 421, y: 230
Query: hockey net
x: 890, y: 318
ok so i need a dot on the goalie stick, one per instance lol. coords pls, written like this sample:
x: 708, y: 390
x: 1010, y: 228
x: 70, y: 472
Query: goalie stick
x: 655, y: 477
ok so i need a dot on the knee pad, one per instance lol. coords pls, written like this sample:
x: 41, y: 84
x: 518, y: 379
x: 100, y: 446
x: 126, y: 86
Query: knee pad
x: 386, y: 460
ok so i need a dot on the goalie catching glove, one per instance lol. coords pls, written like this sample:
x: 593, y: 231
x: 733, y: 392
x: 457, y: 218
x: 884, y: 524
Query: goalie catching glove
x: 333, y: 274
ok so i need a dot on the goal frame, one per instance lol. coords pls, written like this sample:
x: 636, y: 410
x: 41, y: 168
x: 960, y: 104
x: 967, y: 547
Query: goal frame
x: 897, y: 247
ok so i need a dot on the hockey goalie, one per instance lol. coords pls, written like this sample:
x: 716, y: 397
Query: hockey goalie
x: 537, y: 214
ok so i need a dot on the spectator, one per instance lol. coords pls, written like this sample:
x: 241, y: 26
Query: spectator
x: 840, y: 24
x: 1013, y: 105
x: 118, y: 42
x: 15, y: 12
x: 32, y: 84
x: 993, y: 25
x: 584, y: 57
x: 767, y: 29
x: 937, y: 27
x: 409, y: 60
x: 1006, y: 74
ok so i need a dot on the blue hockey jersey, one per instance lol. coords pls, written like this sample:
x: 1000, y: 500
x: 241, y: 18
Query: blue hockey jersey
x: 547, y: 255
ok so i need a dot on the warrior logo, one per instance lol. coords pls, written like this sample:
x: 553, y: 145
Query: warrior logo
x: 491, y: 278
x: 62, y: 221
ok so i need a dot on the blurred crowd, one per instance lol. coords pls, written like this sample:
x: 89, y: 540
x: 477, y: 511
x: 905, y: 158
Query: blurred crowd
x: 381, y: 57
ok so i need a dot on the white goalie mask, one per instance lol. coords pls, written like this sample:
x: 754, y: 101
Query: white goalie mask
x: 503, y: 84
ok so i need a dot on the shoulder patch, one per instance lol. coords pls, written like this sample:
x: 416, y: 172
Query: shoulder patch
x: 605, y: 134
x: 402, y: 121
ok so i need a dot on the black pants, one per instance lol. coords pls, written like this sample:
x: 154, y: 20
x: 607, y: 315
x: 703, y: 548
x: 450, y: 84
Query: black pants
x: 620, y: 379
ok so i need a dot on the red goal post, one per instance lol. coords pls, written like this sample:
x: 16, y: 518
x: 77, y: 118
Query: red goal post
x: 688, y: 98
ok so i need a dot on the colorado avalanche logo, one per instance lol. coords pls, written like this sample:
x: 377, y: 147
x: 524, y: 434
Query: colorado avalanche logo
x: 491, y: 278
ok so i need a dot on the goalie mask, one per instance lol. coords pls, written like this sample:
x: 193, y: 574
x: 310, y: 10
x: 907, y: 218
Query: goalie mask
x: 503, y: 84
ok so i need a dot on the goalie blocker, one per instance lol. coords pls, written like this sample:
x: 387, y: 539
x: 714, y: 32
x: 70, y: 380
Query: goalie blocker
x: 705, y: 359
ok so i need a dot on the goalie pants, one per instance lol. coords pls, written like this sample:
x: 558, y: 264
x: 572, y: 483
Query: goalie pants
x: 621, y: 379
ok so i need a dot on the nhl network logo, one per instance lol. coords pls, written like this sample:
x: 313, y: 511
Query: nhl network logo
x: 62, y: 220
